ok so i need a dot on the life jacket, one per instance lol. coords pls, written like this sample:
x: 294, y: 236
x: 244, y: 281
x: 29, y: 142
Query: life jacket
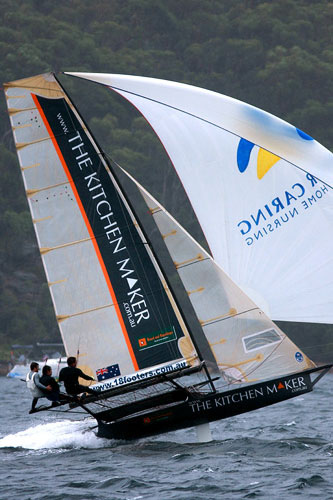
x: 30, y: 380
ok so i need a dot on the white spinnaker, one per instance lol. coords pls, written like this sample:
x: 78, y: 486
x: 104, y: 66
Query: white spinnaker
x: 268, y: 226
x: 84, y: 308
x: 246, y: 344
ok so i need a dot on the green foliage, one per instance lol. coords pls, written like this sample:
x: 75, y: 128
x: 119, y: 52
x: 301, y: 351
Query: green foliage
x: 275, y: 55
x: 16, y: 232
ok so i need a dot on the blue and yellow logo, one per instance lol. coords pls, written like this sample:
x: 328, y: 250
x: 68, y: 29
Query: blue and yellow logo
x: 265, y: 159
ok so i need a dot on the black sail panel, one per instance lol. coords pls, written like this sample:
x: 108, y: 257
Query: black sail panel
x: 147, y: 315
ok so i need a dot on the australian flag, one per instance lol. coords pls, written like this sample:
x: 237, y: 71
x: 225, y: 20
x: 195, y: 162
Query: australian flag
x: 108, y: 372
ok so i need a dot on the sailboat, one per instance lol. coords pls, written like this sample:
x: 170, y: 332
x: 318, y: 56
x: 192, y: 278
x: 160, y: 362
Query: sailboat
x: 174, y: 335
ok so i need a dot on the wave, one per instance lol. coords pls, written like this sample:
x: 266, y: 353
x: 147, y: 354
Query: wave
x: 56, y: 435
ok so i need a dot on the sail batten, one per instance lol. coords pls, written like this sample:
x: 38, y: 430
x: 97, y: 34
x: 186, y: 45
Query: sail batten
x: 12, y: 111
x: 44, y: 250
x: 31, y: 192
x: 30, y: 166
x: 79, y: 313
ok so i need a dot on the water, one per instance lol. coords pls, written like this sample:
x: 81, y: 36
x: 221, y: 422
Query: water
x: 280, y: 452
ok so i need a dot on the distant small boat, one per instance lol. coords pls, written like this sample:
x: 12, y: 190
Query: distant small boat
x: 20, y: 370
x: 176, y: 336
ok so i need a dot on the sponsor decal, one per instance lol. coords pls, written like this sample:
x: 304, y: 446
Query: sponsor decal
x: 142, y: 375
x: 282, y: 209
x: 163, y: 336
x: 299, y: 357
x: 157, y: 418
x: 108, y: 372
x: 263, y: 392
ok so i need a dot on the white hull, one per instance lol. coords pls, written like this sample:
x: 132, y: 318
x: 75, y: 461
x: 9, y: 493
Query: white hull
x: 20, y: 371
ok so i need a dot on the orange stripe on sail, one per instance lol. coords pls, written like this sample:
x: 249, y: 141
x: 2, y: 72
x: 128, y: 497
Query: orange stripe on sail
x: 91, y: 233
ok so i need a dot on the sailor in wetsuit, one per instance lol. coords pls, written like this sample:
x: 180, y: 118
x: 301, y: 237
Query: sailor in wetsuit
x: 54, y: 395
x: 70, y: 376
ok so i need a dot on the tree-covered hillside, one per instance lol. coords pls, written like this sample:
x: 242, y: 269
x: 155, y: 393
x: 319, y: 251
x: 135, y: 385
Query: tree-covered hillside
x: 276, y: 55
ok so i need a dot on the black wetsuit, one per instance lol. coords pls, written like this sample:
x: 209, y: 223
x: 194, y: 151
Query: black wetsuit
x: 48, y: 380
x: 70, y: 376
x: 54, y: 394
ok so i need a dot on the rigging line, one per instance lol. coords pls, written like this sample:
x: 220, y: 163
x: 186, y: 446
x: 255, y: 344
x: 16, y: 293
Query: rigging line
x: 197, y: 261
x: 267, y: 357
x: 117, y: 90
x: 58, y: 367
x: 231, y: 316
x: 82, y: 412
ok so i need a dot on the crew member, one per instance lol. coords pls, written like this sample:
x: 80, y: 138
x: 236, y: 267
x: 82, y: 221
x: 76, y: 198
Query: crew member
x: 70, y: 376
x: 37, y: 389
x: 47, y: 380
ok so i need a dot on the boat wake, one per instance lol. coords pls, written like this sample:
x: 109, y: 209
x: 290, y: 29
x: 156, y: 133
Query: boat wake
x: 56, y: 435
